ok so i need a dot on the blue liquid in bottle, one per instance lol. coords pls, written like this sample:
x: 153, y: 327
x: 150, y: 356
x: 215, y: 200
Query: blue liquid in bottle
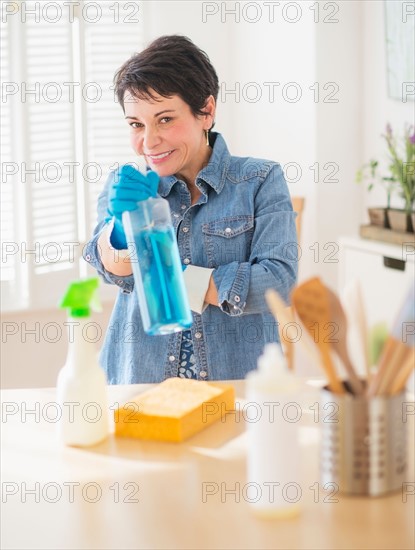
x: 158, y: 276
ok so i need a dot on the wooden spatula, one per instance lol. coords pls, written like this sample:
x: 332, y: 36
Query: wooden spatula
x: 312, y: 306
x: 283, y: 315
x: 352, y: 300
x: 339, y: 340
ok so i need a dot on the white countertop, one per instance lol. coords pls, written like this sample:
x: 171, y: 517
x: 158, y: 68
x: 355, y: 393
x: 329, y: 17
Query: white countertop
x: 162, y: 495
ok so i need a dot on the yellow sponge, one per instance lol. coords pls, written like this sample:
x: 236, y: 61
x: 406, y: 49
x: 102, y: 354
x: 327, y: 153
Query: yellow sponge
x: 174, y: 410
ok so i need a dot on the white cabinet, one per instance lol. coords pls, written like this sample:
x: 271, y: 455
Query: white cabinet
x: 385, y: 273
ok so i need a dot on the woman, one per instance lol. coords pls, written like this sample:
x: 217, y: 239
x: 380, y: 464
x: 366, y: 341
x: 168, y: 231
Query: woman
x: 233, y: 219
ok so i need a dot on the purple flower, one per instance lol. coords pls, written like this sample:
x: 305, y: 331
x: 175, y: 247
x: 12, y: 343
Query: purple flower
x: 412, y: 139
x: 388, y: 130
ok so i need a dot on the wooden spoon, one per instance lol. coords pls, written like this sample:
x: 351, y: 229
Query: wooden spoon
x: 339, y: 340
x: 311, y: 303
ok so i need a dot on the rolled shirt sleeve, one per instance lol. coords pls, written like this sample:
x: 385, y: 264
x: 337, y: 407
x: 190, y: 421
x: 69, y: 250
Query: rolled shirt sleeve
x: 196, y: 280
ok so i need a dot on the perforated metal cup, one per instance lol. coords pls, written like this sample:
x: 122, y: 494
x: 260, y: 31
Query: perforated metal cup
x: 363, y: 443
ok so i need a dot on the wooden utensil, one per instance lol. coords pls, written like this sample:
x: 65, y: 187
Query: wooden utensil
x: 339, y: 340
x: 283, y: 316
x: 394, y: 349
x: 388, y: 351
x: 312, y: 306
x: 400, y: 352
x: 352, y: 301
x: 404, y: 372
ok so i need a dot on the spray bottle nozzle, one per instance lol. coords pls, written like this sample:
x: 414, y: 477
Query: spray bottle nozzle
x: 81, y: 297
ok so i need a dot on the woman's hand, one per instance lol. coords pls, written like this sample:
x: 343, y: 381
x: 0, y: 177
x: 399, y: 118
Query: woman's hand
x: 129, y: 187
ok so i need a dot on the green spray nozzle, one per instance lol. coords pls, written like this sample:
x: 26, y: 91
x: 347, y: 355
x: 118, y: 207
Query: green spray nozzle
x: 81, y: 297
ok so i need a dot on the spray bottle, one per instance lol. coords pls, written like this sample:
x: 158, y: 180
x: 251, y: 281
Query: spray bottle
x: 81, y: 386
x: 158, y: 272
x: 272, y: 415
x: 157, y: 269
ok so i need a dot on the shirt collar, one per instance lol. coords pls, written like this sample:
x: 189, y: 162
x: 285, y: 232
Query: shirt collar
x: 214, y: 173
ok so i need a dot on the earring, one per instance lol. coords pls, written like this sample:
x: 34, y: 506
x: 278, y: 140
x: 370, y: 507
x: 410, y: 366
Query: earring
x: 207, y: 137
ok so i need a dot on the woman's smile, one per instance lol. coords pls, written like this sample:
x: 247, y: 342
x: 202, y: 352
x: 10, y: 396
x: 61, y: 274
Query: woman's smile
x: 158, y: 158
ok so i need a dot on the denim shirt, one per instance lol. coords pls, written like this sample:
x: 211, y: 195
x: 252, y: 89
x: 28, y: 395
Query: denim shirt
x: 242, y: 226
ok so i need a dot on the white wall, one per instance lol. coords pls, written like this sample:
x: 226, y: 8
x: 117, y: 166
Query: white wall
x: 378, y: 107
x: 337, y: 208
x: 34, y: 345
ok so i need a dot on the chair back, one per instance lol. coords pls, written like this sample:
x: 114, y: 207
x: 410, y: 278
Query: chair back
x: 298, y: 207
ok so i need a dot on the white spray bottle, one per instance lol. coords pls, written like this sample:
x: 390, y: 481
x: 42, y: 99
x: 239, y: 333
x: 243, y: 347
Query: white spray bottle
x: 82, y: 385
x: 273, y: 479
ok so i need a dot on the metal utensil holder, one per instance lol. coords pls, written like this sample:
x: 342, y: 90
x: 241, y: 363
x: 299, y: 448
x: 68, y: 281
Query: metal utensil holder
x: 363, y: 445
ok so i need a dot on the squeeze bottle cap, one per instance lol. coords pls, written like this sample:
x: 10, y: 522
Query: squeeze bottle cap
x: 272, y: 362
x: 81, y: 297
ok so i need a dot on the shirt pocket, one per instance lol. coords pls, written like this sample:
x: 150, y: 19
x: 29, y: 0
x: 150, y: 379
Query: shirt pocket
x: 228, y: 240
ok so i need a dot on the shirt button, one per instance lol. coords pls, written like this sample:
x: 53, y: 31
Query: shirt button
x: 186, y: 261
x: 185, y: 229
x: 87, y: 257
x: 198, y: 335
x: 183, y: 207
x: 237, y: 299
x: 172, y: 358
x: 175, y: 215
x: 203, y: 374
x: 228, y: 230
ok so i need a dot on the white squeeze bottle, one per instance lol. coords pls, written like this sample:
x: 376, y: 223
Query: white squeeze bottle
x: 272, y: 414
x: 82, y: 385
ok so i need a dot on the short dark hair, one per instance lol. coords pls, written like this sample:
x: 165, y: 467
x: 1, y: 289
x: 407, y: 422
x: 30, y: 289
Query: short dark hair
x: 170, y: 65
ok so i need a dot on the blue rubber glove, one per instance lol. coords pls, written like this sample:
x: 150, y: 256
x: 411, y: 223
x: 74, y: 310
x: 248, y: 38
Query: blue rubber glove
x: 129, y: 187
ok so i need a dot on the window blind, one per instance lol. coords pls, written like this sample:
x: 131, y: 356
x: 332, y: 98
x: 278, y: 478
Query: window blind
x: 7, y: 272
x: 62, y: 131
x: 107, y: 131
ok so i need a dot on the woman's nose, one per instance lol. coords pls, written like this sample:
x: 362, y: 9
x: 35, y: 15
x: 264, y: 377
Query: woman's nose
x: 151, y: 139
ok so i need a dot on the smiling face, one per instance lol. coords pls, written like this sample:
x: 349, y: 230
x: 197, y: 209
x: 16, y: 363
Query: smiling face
x: 171, y: 138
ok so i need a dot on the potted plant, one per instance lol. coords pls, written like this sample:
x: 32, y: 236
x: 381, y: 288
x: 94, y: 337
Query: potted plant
x: 378, y: 215
x: 401, y: 179
x: 402, y: 168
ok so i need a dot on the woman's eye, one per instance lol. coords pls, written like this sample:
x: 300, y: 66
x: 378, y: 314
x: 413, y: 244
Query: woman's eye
x: 165, y: 119
x: 136, y: 125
